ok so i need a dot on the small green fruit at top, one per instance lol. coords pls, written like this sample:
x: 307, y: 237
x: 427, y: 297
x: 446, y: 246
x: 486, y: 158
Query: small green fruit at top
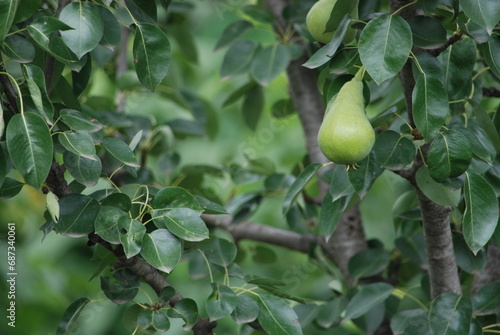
x: 346, y: 136
x: 318, y: 17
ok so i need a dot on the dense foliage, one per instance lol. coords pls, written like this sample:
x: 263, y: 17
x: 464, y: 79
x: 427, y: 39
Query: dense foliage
x: 74, y: 75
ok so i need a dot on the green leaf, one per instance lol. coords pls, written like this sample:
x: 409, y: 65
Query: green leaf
x: 364, y: 175
x: 131, y: 233
x: 458, y: 63
x: 466, y: 260
x: 449, y: 156
x: 393, y: 151
x: 430, y: 106
x: 277, y: 317
x: 176, y: 197
x: 428, y: 33
x: 86, y: 171
x: 330, y: 213
x: 19, y: 49
x: 112, y: 33
x: 491, y: 53
x: 52, y: 203
x: 219, y: 251
x: 240, y: 92
x: 145, y: 318
x: 297, y: 186
x: 184, y: 223
x: 77, y: 215
x: 142, y: 10
x: 270, y: 62
x: 339, y: 11
x: 487, y: 300
x: 161, y: 249
x: 233, y: 32
x: 119, y: 200
x: 368, y: 263
x: 3, y: 164
x: 88, y: 26
x: 70, y: 316
x: 410, y: 322
x: 152, y: 55
x: 187, y: 310
x: 368, y: 297
x: 330, y: 313
x: 340, y: 30
x: 106, y: 223
x: 441, y: 194
x: 487, y: 126
x: 7, y: 13
x: 36, y: 84
x: 246, y: 310
x: 238, y: 59
x: 412, y: 247
x: 10, y: 188
x: 210, y: 207
x: 450, y: 314
x: 319, y: 58
x: 483, y: 12
x: 78, y: 121
x: 120, y: 150
x: 122, y: 287
x: 161, y: 321
x: 481, y: 211
x: 384, y: 46
x: 80, y: 143
x: 30, y: 147
x: 252, y: 107
x: 221, y: 302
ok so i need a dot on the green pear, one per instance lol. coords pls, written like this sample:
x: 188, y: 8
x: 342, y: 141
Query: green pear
x: 318, y: 17
x: 346, y: 136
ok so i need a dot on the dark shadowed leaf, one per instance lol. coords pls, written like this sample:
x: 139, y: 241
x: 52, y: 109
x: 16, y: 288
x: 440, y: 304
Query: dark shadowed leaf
x: 466, y: 260
x: 450, y: 314
x: 106, y: 223
x: 122, y: 287
x: 487, y: 299
x: 221, y: 302
x: 363, y: 176
x: 10, y: 188
x: 481, y: 211
x: 428, y: 33
x: 329, y: 313
x: 458, y: 62
x: 77, y: 215
x: 30, y: 147
x: 253, y: 105
x: 7, y: 13
x: 18, y: 48
x: 187, y: 310
x: 368, y: 262
x: 151, y: 54
x: 86, y: 171
x: 238, y: 59
x: 368, y: 297
x: 298, y: 185
x: 246, y: 310
x: 70, y: 316
x: 161, y: 249
x: 277, y: 317
x: 384, y: 46
x: 393, y: 151
x: 491, y: 52
x: 412, y: 247
x: 330, y: 213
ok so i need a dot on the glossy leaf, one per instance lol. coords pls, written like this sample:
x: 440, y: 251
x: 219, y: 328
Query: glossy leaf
x: 393, y: 151
x: 35, y: 79
x: 319, y: 58
x: 10, y: 188
x: 410, y: 322
x: 161, y: 321
x: 238, y: 59
x: 450, y: 314
x: 106, y: 223
x: 384, y: 46
x: 430, y: 106
x: 131, y: 233
x: 7, y: 13
x: 78, y: 121
x: 487, y: 126
x: 145, y: 318
x: 481, y: 211
x: 277, y: 317
x: 77, y: 215
x: 330, y: 313
x: 120, y: 150
x: 450, y: 155
x: 30, y: 147
x: 466, y: 260
x: 365, y: 174
x: 187, y: 310
x: 161, y: 249
x: 428, y: 33
x: 270, y: 62
x: 71, y: 315
x: 458, y: 63
x: 118, y: 200
x: 368, y: 262
x: 86, y: 171
x: 88, y: 26
x: 18, y: 48
x: 437, y: 192
x: 330, y: 213
x: 152, y: 55
x: 80, y: 143
x: 176, y: 197
x: 221, y: 302
x: 122, y: 287
x: 298, y: 185
x: 487, y: 299
x: 368, y: 297
x: 184, y: 223
x: 246, y: 310
x: 340, y: 185
x: 252, y: 107
x: 233, y: 32
x: 210, y: 207
x: 219, y: 251
x: 486, y: 13
x: 111, y: 34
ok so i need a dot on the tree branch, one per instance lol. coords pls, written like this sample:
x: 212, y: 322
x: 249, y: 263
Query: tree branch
x: 491, y: 272
x: 491, y: 92
x: 9, y: 90
x: 453, y: 39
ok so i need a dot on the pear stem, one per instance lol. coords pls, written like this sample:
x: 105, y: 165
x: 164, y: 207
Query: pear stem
x: 360, y: 74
